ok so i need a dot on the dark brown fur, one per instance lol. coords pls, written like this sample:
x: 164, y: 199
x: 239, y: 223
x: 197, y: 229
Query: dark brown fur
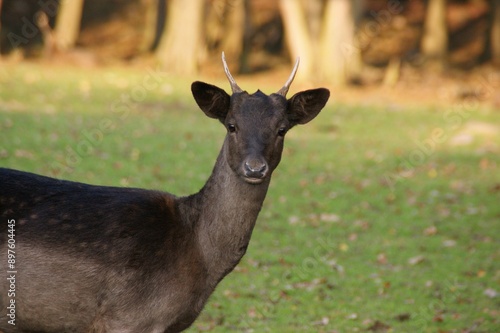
x: 106, y: 259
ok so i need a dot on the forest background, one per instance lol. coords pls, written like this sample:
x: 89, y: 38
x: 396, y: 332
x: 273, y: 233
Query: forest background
x: 340, y: 42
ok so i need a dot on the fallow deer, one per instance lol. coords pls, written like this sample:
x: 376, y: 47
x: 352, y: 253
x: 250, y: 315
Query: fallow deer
x: 126, y: 260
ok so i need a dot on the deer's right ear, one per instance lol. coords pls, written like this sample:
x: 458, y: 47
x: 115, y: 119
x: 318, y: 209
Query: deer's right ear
x: 212, y: 100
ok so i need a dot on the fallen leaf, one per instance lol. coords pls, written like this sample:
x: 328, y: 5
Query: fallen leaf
x: 449, y: 243
x: 21, y: 153
x: 320, y: 179
x: 432, y: 173
x: 135, y: 154
x: 403, y: 317
x: 252, y: 313
x: 382, y: 258
x: 124, y: 182
x: 117, y: 165
x: 430, y: 231
x: 4, y: 153
x: 311, y: 285
x: 495, y: 188
x: 329, y: 217
x: 438, y: 318
x: 444, y: 211
x: 379, y: 326
x: 484, y: 164
x: 293, y: 220
x: 362, y: 224
x: 491, y: 293
x: 230, y: 294
x: 333, y: 264
x: 343, y: 247
x: 324, y: 321
x: 416, y: 260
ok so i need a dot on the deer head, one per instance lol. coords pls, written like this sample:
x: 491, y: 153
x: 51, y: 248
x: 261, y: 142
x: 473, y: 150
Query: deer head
x: 257, y: 123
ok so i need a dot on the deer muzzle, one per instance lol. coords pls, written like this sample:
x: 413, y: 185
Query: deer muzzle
x: 255, y: 170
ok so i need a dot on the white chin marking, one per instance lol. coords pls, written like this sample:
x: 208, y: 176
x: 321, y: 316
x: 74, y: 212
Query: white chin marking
x: 254, y: 181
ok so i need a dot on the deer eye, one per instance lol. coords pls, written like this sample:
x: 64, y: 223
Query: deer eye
x: 231, y: 128
x: 282, y: 131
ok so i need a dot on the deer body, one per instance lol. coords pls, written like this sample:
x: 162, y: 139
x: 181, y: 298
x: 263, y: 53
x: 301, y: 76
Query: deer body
x: 106, y: 259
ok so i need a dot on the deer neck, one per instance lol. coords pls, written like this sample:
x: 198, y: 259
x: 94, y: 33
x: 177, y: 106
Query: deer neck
x: 223, y: 216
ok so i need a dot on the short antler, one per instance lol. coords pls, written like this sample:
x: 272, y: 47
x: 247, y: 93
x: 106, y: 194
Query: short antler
x: 285, y: 88
x: 234, y: 87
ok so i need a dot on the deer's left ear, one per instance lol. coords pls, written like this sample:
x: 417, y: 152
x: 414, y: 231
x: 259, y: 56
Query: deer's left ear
x: 211, y: 99
x: 305, y: 105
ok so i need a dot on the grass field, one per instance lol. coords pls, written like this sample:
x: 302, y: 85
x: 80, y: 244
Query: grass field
x: 379, y: 219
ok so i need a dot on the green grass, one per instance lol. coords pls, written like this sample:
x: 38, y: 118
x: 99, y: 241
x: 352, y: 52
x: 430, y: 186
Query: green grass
x: 367, y: 225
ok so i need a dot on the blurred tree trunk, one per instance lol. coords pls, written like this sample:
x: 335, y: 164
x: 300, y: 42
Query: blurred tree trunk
x: 495, y: 33
x: 234, y: 29
x: 339, y: 60
x: 392, y: 72
x: 161, y: 19
x: 49, y: 40
x: 435, y: 38
x: 68, y: 23
x: 297, y: 36
x: 0, y: 26
x: 150, y: 24
x: 224, y: 28
x: 247, y: 38
x: 326, y: 42
x: 181, y: 41
x: 314, y: 13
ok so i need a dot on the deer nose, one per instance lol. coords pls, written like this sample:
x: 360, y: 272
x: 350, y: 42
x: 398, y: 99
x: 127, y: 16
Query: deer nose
x: 255, y: 168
